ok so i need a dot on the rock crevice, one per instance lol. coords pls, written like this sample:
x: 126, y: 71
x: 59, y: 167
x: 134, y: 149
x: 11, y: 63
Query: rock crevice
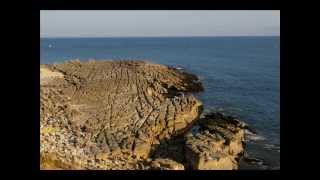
x: 111, y: 114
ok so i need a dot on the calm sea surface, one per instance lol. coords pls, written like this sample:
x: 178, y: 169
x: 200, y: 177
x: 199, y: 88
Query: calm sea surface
x: 241, y: 75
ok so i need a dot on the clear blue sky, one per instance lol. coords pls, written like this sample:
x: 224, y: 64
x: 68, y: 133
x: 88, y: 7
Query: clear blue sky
x: 158, y: 23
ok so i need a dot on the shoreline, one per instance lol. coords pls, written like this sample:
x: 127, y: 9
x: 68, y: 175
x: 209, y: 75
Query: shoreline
x: 167, y: 84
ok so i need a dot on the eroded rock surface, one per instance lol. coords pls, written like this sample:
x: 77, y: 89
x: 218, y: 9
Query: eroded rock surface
x: 108, y: 114
x: 166, y: 164
x: 120, y: 115
x: 215, y: 143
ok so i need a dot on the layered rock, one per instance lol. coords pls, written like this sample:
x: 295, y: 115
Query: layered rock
x: 215, y: 143
x: 98, y: 110
x: 130, y: 115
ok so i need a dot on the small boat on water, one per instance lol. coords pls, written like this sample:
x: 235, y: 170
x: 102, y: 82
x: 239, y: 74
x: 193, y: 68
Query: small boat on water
x: 50, y: 46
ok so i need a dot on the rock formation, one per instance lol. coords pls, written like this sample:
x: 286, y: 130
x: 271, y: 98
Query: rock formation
x: 116, y: 114
x: 216, y: 144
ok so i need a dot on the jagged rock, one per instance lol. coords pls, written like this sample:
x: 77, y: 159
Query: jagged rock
x: 130, y: 115
x: 217, y: 145
x: 124, y: 106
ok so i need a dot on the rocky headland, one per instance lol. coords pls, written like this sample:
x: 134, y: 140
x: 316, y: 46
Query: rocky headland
x: 131, y: 115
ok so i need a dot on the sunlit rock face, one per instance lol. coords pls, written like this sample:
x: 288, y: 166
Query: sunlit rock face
x: 217, y: 144
x: 108, y: 114
x: 135, y: 115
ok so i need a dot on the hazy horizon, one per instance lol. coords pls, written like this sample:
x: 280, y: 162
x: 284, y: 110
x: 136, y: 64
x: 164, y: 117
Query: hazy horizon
x: 71, y: 37
x: 158, y: 23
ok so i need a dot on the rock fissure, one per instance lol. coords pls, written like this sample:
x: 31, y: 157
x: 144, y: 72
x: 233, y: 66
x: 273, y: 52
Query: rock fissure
x: 130, y: 115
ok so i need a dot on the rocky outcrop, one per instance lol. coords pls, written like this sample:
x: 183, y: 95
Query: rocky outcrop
x: 215, y: 143
x: 100, y: 109
x: 126, y: 115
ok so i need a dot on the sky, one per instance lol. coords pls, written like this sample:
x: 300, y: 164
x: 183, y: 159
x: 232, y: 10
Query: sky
x: 147, y: 23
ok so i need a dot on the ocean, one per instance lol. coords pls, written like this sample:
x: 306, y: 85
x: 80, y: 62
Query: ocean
x: 241, y: 76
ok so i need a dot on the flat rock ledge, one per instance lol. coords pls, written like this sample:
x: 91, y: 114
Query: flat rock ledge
x: 126, y: 115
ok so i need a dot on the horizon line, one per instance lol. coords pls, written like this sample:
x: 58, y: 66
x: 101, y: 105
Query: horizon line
x: 58, y: 37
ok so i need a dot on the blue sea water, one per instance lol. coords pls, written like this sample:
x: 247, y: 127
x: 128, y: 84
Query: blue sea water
x: 241, y: 75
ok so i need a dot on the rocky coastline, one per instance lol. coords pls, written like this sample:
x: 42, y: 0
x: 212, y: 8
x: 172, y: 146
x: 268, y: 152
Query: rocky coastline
x: 131, y: 115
